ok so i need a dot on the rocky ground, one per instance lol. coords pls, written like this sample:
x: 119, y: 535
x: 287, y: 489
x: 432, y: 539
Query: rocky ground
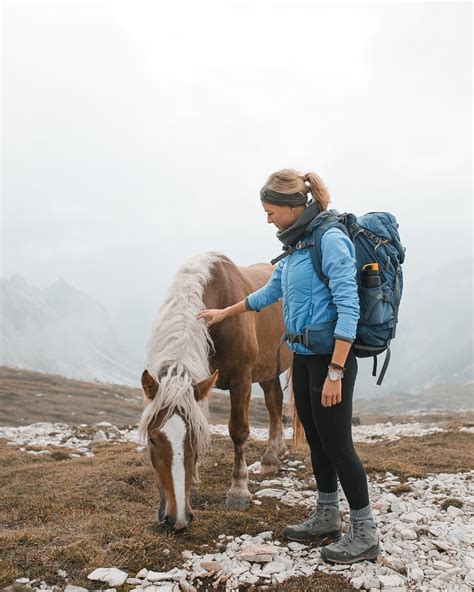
x: 78, y: 498
x: 424, y: 517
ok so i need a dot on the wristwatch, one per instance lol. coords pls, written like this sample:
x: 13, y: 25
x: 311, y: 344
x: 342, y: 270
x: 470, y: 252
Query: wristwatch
x: 335, y: 372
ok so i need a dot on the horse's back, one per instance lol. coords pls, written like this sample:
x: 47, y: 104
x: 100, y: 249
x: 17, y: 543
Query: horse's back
x: 246, y: 339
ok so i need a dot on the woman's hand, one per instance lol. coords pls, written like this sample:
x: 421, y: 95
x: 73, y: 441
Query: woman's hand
x: 215, y: 315
x: 332, y: 392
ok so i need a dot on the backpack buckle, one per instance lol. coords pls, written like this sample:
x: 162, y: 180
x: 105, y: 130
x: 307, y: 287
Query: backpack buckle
x: 303, y: 244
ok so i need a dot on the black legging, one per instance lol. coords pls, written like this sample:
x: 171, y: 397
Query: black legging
x: 328, y: 430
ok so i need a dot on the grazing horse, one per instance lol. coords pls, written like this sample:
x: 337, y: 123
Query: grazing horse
x: 185, y: 359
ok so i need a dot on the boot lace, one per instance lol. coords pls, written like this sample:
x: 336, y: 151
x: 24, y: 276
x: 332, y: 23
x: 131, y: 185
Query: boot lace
x: 316, y: 515
x: 355, y: 532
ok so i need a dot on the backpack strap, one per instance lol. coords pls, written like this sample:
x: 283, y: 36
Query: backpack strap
x: 299, y: 245
x: 317, y: 253
x: 374, y: 367
x: 367, y: 348
x: 385, y: 364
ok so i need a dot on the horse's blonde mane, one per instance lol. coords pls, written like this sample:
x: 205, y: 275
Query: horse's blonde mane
x: 179, y: 347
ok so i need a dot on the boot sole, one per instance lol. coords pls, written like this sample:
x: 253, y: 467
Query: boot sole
x: 319, y: 540
x: 369, y: 555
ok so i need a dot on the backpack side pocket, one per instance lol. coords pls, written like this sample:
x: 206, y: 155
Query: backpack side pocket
x: 376, y: 305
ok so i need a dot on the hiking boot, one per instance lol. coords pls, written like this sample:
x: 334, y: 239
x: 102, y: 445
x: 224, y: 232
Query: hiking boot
x: 361, y: 542
x: 322, y: 527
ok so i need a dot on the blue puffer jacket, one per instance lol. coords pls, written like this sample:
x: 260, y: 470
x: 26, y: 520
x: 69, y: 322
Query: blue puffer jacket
x: 328, y: 312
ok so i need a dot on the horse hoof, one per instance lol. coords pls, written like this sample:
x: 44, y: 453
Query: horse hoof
x: 270, y: 464
x: 270, y: 468
x: 238, y: 500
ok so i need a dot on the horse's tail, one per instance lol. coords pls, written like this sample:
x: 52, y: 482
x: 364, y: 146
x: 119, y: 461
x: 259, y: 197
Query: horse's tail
x: 299, y: 439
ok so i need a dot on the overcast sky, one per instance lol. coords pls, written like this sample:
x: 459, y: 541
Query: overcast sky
x: 136, y: 134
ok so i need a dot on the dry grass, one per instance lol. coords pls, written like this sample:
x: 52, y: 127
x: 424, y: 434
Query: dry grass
x: 451, y: 501
x: 445, y: 452
x: 400, y: 489
x: 29, y: 396
x: 81, y: 513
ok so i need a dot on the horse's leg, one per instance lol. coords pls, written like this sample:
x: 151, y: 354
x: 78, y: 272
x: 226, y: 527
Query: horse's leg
x: 276, y: 442
x: 238, y: 495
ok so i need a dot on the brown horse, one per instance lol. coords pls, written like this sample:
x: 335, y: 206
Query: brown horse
x: 185, y: 359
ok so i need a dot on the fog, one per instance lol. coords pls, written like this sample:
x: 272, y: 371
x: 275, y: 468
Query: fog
x: 136, y: 134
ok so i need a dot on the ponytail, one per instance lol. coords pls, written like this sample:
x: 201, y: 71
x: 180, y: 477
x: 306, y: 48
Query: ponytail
x: 318, y: 190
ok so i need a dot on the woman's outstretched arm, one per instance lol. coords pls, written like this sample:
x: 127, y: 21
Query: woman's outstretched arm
x: 216, y: 315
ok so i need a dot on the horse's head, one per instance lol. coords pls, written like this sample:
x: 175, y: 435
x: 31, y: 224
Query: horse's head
x: 174, y: 444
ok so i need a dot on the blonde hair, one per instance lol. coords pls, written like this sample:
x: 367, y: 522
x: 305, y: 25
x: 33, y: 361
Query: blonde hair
x: 291, y: 181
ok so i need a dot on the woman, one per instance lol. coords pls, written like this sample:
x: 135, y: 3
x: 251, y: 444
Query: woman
x: 323, y: 382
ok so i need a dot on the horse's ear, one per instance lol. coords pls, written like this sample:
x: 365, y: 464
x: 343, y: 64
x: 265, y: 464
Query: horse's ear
x: 201, y: 390
x: 149, y: 385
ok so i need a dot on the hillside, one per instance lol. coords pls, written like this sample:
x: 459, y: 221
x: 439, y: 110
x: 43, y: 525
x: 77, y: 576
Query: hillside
x: 61, y: 330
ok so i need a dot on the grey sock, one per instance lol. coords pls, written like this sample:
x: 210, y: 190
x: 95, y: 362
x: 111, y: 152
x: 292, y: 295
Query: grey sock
x: 328, y: 499
x: 362, y: 513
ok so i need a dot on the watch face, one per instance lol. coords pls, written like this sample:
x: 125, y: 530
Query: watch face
x: 333, y: 375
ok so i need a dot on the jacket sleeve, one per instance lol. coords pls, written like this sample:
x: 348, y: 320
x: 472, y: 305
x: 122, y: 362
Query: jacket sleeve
x: 267, y: 294
x: 339, y: 265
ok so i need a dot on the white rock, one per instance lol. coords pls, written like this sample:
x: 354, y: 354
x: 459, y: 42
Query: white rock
x: 71, y: 588
x: 22, y: 580
x: 280, y: 577
x: 110, y: 575
x: 416, y: 574
x: 269, y: 492
x: 391, y: 581
x: 339, y: 567
x: 256, y: 467
x: 410, y: 517
x: 443, y: 545
x: 408, y: 534
x: 294, y: 546
x: 142, y: 574
x: 469, y: 578
x: 99, y: 436
x: 164, y: 587
x: 399, y: 507
x: 468, y: 561
x: 258, y: 553
x: 212, y: 566
x: 251, y: 579
x: 371, y: 584
x: 273, y: 567
x: 442, y: 565
x: 358, y: 582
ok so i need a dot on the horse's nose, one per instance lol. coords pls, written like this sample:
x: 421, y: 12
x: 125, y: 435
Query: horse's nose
x: 169, y: 520
x: 180, y: 524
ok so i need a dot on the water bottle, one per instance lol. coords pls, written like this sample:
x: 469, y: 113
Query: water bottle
x: 370, y: 275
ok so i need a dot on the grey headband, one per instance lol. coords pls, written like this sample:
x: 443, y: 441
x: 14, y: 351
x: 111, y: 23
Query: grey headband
x: 283, y: 199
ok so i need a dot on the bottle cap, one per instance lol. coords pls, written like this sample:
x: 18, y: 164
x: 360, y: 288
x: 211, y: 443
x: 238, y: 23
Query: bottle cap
x: 373, y: 266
